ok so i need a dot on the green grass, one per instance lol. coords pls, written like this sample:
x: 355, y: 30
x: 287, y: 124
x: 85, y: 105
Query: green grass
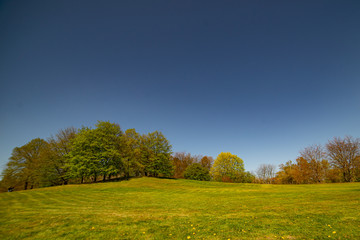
x: 150, y: 208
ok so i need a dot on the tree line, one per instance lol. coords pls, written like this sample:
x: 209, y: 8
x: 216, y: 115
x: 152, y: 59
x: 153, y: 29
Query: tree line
x: 107, y: 153
x: 337, y: 161
x: 87, y: 155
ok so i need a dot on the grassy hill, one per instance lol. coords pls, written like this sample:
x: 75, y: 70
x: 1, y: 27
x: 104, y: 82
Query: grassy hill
x: 150, y: 208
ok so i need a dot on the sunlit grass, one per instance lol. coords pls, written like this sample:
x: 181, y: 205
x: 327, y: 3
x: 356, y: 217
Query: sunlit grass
x: 150, y: 208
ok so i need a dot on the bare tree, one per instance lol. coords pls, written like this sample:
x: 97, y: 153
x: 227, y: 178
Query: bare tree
x: 266, y: 172
x: 316, y: 157
x: 343, y: 154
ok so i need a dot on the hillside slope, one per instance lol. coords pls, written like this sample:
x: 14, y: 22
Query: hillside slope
x: 150, y: 208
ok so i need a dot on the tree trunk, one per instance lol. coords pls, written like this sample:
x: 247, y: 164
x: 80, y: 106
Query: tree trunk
x: 26, y: 185
x: 104, y: 177
x: 82, y: 179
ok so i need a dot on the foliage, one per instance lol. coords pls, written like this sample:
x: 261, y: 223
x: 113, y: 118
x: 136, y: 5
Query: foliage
x: 58, y: 154
x: 316, y: 166
x: 228, y: 168
x: 248, y: 177
x: 26, y: 166
x: 96, y: 151
x: 181, y: 161
x: 155, y: 155
x: 132, y: 153
x: 207, y: 162
x: 197, y: 172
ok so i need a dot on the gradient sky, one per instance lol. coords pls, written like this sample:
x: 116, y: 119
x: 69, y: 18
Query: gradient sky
x: 259, y: 79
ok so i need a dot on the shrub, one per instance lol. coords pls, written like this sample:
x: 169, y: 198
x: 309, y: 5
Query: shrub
x: 197, y: 172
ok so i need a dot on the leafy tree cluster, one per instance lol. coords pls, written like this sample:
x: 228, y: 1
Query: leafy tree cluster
x: 182, y: 161
x: 196, y: 171
x: 225, y: 168
x: 230, y: 168
x: 87, y: 154
x: 338, y: 161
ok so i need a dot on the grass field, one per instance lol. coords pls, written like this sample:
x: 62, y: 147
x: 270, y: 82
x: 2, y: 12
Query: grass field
x: 150, y: 208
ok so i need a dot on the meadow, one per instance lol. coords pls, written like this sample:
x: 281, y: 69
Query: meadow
x: 151, y: 208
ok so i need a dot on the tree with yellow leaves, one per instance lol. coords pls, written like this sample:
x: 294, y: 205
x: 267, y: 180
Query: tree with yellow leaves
x: 228, y: 168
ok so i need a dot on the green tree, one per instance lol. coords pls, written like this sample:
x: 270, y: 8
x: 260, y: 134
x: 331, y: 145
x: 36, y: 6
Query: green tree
x: 228, y: 168
x: 58, y: 154
x: 155, y: 155
x: 197, y: 172
x: 26, y: 166
x: 97, y: 152
x: 132, y: 153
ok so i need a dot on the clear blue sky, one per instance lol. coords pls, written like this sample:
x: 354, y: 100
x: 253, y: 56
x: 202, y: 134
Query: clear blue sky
x: 259, y: 79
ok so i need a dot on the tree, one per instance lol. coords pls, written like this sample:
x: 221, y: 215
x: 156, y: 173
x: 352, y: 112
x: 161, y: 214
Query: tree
x: 58, y: 154
x: 286, y: 174
x: 197, y: 172
x: 206, y: 162
x: 228, y: 168
x: 343, y: 154
x: 26, y: 166
x: 155, y: 155
x: 317, y: 163
x: 97, y: 152
x: 132, y: 153
x: 302, y: 171
x: 109, y: 145
x: 357, y: 169
x: 249, y: 177
x: 266, y: 173
x: 181, y: 161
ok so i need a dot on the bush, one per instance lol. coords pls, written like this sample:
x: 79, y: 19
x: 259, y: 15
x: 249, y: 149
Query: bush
x: 197, y: 172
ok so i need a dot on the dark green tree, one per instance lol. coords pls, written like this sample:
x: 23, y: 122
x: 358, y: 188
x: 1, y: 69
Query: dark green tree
x: 197, y: 172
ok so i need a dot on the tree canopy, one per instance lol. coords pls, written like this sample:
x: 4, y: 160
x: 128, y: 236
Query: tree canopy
x: 228, y: 168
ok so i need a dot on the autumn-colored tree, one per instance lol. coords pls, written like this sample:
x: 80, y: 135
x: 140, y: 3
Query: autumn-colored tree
x: 301, y: 171
x: 334, y: 175
x: 228, y: 168
x: 207, y: 162
x: 317, y: 166
x: 181, y: 161
x: 286, y: 174
x: 343, y: 154
x: 357, y: 169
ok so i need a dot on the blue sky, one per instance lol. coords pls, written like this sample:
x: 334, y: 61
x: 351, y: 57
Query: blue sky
x: 259, y: 79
